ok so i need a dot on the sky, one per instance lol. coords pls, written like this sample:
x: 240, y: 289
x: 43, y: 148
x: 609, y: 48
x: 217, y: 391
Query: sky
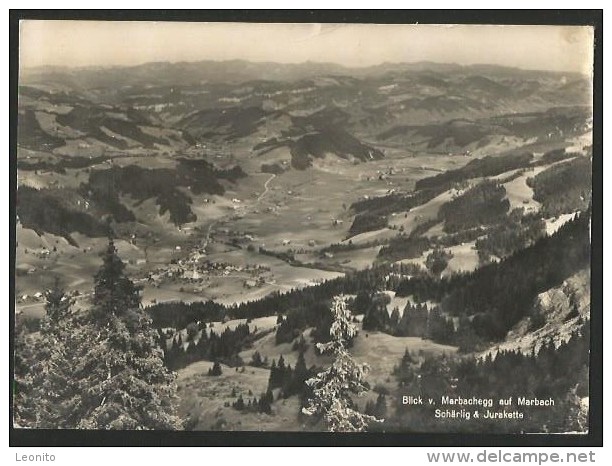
x: 117, y: 43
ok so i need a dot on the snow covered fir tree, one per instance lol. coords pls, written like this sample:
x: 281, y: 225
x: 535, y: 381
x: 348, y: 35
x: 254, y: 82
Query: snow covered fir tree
x: 98, y: 369
x: 45, y: 389
x: 334, y: 387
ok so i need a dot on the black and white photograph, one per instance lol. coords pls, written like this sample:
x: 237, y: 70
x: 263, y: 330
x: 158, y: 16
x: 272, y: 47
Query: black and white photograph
x: 303, y: 227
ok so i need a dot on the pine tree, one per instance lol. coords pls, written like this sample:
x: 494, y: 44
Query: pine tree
x: 192, y: 331
x: 300, y: 344
x: 300, y: 374
x: 239, y: 404
x: 278, y: 374
x: 287, y: 382
x: 438, y: 260
x: 114, y: 293
x: 370, y: 408
x: 395, y: 319
x: 377, y: 316
x: 407, y: 358
x: 202, y: 346
x: 256, y: 360
x: 45, y: 386
x: 273, y: 376
x: 53, y: 374
x: 24, y: 404
x: 123, y: 381
x: 265, y: 402
x: 332, y: 388
x: 380, y: 409
x: 172, y: 357
x: 215, y: 370
x: 59, y: 305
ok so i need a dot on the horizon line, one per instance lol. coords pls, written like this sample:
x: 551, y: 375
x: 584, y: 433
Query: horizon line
x: 306, y: 62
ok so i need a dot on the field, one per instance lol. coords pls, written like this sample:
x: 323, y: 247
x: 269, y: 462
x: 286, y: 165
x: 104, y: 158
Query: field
x: 423, y: 213
x: 204, y: 398
x: 465, y: 258
x: 290, y: 213
x: 287, y: 213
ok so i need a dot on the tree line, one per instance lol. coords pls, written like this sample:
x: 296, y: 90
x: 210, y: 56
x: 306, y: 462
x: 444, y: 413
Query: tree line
x: 498, y: 295
x: 559, y: 371
x: 210, y: 346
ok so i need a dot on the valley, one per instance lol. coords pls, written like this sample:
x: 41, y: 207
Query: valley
x: 450, y: 204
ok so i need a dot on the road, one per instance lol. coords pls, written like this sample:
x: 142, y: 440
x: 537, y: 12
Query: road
x: 208, y: 232
x: 267, y: 188
x: 259, y: 198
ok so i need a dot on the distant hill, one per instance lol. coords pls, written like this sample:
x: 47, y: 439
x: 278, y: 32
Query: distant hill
x: 228, y: 123
x: 337, y: 142
x: 76, y: 121
x: 49, y: 120
x: 236, y: 71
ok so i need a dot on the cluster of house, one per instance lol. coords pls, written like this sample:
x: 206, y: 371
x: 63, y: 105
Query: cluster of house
x: 33, y: 298
x: 39, y: 296
x: 198, y: 272
x: 41, y: 253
